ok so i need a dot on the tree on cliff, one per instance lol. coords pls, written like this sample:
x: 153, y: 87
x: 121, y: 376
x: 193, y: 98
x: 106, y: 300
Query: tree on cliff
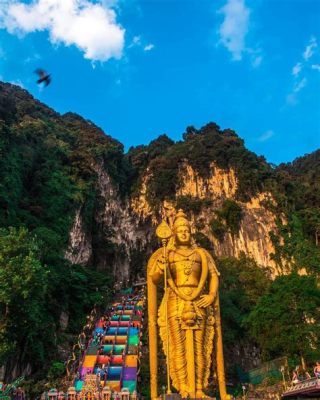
x: 286, y: 320
x: 23, y: 288
x: 243, y: 282
x: 33, y: 295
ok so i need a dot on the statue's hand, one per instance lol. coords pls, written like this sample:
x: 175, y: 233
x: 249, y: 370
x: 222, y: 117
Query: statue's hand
x: 161, y: 263
x: 205, y: 300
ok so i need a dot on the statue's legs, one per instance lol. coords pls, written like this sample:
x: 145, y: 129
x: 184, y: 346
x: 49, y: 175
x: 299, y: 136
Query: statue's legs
x: 200, y: 352
x: 177, y: 354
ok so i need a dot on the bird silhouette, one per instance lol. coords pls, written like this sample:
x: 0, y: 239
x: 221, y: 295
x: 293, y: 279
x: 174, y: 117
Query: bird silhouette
x: 44, y: 77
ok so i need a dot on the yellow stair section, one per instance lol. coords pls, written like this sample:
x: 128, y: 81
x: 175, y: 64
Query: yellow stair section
x: 89, y: 361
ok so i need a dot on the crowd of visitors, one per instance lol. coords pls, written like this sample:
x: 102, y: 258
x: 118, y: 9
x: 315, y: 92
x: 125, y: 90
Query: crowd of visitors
x: 15, y: 393
x: 302, y: 375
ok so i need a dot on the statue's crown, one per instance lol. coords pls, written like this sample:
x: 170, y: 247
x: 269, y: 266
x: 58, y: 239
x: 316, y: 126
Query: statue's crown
x: 180, y: 220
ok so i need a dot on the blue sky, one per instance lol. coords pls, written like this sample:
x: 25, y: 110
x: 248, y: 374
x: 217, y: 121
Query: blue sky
x: 140, y: 68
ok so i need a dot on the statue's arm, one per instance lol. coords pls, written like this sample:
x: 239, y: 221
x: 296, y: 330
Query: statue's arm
x: 213, y: 276
x: 213, y: 285
x: 156, y: 266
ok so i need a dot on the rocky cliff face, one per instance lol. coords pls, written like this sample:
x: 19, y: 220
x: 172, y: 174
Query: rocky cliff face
x: 79, y: 250
x: 130, y: 223
x: 253, y: 238
x: 120, y: 231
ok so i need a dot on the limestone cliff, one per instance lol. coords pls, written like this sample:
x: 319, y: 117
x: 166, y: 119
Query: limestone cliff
x: 79, y: 250
x: 129, y: 223
x: 253, y: 238
x: 118, y: 232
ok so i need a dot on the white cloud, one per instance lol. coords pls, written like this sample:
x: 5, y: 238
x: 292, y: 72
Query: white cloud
x: 300, y: 80
x: 234, y: 28
x: 292, y: 98
x: 297, y: 69
x: 266, y: 136
x: 91, y: 26
x: 256, y: 60
x: 33, y: 58
x: 148, y: 47
x: 308, y: 53
x: 136, y: 41
x: 300, y: 85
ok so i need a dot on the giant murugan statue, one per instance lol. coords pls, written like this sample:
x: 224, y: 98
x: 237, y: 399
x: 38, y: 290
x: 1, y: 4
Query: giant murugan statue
x: 189, y: 315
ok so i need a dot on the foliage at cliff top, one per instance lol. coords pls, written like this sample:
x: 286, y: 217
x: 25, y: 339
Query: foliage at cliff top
x: 48, y: 162
x: 300, y: 182
x: 298, y: 198
x: 199, y: 148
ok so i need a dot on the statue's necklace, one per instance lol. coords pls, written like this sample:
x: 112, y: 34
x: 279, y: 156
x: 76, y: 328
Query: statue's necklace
x: 187, y: 262
x: 187, y: 269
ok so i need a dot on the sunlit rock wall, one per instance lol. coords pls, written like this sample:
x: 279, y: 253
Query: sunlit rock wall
x: 257, y: 222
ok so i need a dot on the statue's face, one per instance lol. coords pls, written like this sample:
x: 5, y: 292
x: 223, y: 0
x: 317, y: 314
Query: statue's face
x: 183, y: 235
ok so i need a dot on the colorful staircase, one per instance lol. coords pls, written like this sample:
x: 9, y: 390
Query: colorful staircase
x: 111, y: 359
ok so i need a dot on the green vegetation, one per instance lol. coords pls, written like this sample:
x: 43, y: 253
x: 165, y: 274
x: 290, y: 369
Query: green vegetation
x: 231, y: 213
x: 33, y: 295
x: 218, y: 228
x: 57, y: 370
x: 202, y: 241
x: 243, y: 282
x: 298, y: 198
x: 286, y: 319
x: 24, y: 284
x: 192, y: 204
x: 227, y: 219
x: 295, y: 248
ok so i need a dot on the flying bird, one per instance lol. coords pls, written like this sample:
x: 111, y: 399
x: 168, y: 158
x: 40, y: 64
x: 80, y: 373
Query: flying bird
x: 44, y: 77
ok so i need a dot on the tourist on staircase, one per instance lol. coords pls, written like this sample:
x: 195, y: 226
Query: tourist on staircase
x: 316, y: 370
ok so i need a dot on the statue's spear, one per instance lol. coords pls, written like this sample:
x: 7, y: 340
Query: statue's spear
x: 164, y: 232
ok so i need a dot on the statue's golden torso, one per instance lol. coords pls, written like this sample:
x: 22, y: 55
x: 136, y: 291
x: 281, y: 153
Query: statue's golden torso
x: 185, y: 267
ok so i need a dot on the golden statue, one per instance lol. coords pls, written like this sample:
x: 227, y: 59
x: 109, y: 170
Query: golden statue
x: 189, y: 315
